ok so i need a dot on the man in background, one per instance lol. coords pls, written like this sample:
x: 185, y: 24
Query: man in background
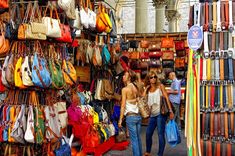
x: 175, y: 96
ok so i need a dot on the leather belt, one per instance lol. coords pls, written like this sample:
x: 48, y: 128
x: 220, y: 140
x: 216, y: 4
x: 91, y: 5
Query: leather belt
x: 201, y: 16
x: 214, y: 16
x: 229, y: 149
x: 230, y: 58
x: 212, y: 118
x: 209, y: 148
x: 218, y: 25
x: 210, y: 9
x: 226, y: 70
x: 132, y: 114
x: 222, y: 120
x: 206, y: 16
x: 207, y: 127
x: 216, y: 40
x: 226, y: 125
x: 218, y: 149
x: 232, y: 124
x: 215, y: 127
x: 229, y: 127
x: 231, y: 28
x: 221, y: 56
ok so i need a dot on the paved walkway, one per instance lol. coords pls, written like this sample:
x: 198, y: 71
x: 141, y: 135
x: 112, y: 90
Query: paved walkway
x: 179, y: 150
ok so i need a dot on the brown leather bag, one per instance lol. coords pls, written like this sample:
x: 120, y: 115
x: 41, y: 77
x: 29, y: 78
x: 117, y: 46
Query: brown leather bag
x: 108, y: 89
x: 154, y: 46
x: 179, y: 45
x: 179, y: 62
x: 168, y: 55
x: 144, y: 44
x: 134, y: 55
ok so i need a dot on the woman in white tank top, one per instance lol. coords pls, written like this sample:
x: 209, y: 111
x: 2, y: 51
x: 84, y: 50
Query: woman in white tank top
x: 130, y: 110
x: 154, y: 91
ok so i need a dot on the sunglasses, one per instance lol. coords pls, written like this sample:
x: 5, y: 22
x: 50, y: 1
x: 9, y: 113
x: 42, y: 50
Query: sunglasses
x: 153, y: 77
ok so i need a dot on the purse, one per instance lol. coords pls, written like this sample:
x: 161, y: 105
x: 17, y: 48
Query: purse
x: 26, y: 71
x: 91, y: 16
x: 64, y: 149
x: 134, y: 55
x: 125, y: 46
x: 168, y: 70
x: 168, y: 55
x: 84, y: 16
x: 180, y: 53
x: 163, y: 106
x: 105, y: 54
x: 134, y: 44
x: 97, y: 59
x: 52, y: 24
x: 76, y: 24
x: 144, y: 44
x: 144, y: 55
x: 143, y: 64
x: 121, y: 136
x: 167, y: 64
x: 143, y: 107
x: 155, y: 46
x: 101, y: 23
x: 65, y: 33
x: 107, y: 19
x: 155, y: 54
x: 29, y: 133
x: 4, y: 43
x: 3, y: 78
x: 179, y: 45
x: 91, y: 139
x: 113, y: 32
x: 17, y: 74
x: 180, y: 74
x: 155, y: 63
x: 134, y: 64
x: 167, y: 43
x: 180, y: 62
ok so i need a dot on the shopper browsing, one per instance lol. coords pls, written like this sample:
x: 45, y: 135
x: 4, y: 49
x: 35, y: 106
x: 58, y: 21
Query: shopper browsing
x: 175, y: 96
x: 129, y: 109
x: 154, y: 90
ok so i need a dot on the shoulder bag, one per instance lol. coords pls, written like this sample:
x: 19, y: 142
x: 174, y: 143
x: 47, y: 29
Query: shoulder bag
x: 65, y: 33
x: 76, y: 24
x: 179, y: 45
x: 64, y: 149
x: 167, y: 43
x: 84, y: 16
x: 69, y: 72
x: 91, y: 15
x: 29, y: 133
x: 96, y: 58
x: 62, y: 113
x: 155, y: 46
x: 168, y: 55
x: 106, y: 57
x: 113, y: 32
x: 143, y: 107
x: 26, y: 71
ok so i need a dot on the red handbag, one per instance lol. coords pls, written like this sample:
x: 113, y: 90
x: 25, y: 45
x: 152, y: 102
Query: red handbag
x: 167, y: 43
x: 91, y: 138
x: 2, y: 88
x: 179, y: 45
x: 155, y: 54
x: 168, y: 55
x: 65, y: 34
x: 144, y: 55
x: 154, y: 46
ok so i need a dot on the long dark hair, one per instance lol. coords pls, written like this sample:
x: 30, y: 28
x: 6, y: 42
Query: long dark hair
x: 146, y: 80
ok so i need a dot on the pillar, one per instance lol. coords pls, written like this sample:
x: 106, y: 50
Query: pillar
x: 172, y: 17
x: 160, y: 14
x: 141, y: 16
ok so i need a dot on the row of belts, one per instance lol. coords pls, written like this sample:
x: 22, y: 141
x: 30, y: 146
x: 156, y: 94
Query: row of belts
x: 215, y: 16
x: 217, y: 89
x: 210, y: 148
x: 218, y: 127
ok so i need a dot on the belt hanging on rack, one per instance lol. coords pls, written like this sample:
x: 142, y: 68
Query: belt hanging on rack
x: 218, y: 25
x: 231, y: 28
x: 217, y: 55
x: 214, y: 16
x: 226, y: 125
x: 212, y: 118
x: 215, y: 127
x: 206, y: 16
x: 221, y: 56
x: 222, y: 120
x: 226, y: 67
x: 210, y: 9
x: 218, y: 148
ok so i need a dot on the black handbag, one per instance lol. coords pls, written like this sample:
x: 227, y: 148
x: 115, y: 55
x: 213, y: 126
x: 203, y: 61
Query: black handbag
x: 125, y: 45
x: 134, y: 44
x: 167, y: 64
x: 180, y: 74
x: 135, y: 64
x: 155, y: 63
x: 180, y: 53
x: 13, y: 25
x: 121, y: 135
x: 163, y: 106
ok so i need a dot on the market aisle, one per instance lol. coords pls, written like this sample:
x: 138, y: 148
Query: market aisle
x: 179, y: 150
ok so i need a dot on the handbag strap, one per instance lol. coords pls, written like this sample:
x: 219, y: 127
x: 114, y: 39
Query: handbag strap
x: 26, y: 16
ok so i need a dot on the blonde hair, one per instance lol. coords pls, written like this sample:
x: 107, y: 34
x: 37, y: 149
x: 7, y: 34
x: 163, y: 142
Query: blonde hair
x: 146, y: 80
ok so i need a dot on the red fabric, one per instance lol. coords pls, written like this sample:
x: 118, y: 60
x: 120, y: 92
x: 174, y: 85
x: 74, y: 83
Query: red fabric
x: 121, y: 146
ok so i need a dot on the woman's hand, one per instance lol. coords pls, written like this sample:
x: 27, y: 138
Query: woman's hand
x: 120, y: 124
x: 171, y: 115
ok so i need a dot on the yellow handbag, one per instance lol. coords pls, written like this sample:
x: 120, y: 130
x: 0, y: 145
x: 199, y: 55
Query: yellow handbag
x: 69, y: 73
x: 101, y: 22
x: 108, y: 21
x: 103, y: 131
x: 95, y: 117
x: 17, y: 74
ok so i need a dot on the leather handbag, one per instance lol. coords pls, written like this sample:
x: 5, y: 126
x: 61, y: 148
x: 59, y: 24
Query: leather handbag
x: 168, y: 55
x: 4, y: 4
x: 92, y: 138
x: 167, y: 43
x: 92, y: 16
x: 113, y: 32
x: 180, y: 74
x: 64, y: 149
x: 134, y: 64
x: 163, y: 106
x: 2, y: 87
x: 40, y: 74
x: 125, y: 46
x: 179, y: 62
x: 18, y: 74
x: 76, y: 24
x: 180, y: 53
x: 4, y: 43
x: 107, y: 19
x: 155, y: 54
x: 144, y: 44
x: 155, y: 46
x: 155, y: 63
x: 13, y: 25
x: 121, y: 136
x: 134, y: 44
x: 97, y: 59
x: 179, y: 45
x: 144, y: 55
x: 143, y: 64
x: 39, y: 124
x: 134, y: 55
x: 65, y: 33
x: 26, y: 71
x: 167, y: 64
x: 3, y: 78
x: 29, y: 133
x: 52, y: 24
x: 143, y: 107
x: 69, y: 73
x: 105, y: 54
x: 84, y: 16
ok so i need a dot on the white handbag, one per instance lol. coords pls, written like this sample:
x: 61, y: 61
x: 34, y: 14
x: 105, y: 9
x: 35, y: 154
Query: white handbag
x: 77, y: 22
x: 26, y: 73
x: 89, y: 53
x: 4, y: 81
x: 112, y: 129
x: 52, y: 122
x: 92, y: 18
x: 19, y: 126
x: 64, y: 4
x: 98, y: 90
x: 104, y: 115
x: 52, y: 25
x: 84, y: 18
x: 60, y: 107
x: 29, y: 133
x: 98, y: 55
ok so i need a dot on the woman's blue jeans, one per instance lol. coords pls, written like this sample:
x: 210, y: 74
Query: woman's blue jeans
x: 159, y: 122
x: 134, y: 127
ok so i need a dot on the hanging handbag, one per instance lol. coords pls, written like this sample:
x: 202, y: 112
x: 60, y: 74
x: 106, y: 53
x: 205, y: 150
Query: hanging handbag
x: 134, y: 55
x: 13, y: 25
x: 168, y: 70
x: 125, y: 46
x: 70, y: 12
x: 84, y: 16
x: 144, y: 64
x: 40, y: 75
x: 167, y: 55
x: 3, y: 78
x: 113, y: 32
x: 91, y: 139
x: 180, y: 53
x: 107, y: 19
x: 155, y: 46
x: 97, y: 59
x: 29, y: 133
x: 39, y: 124
x: 4, y: 43
x: 134, y: 44
x: 4, y: 4
x: 69, y: 72
x: 101, y: 22
x: 64, y: 149
x: 180, y: 74
x: 106, y: 57
x: 2, y: 87
x: 180, y: 62
x: 26, y: 69
x: 144, y: 55
x: 144, y: 44
x: 179, y: 45
x: 167, y: 43
x: 52, y: 24
x: 64, y: 4
x: 91, y: 16
x: 62, y: 113
x: 65, y: 33
x: 155, y: 54
x: 155, y: 63
x: 24, y: 25
x: 167, y: 64
x: 18, y: 74
x: 76, y: 24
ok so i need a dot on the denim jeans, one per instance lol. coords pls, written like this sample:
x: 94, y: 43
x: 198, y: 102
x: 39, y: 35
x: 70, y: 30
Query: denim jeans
x: 134, y: 126
x: 159, y: 122
x: 177, y: 114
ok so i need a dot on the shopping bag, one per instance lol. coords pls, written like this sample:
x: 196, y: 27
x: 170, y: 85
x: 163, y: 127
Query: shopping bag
x: 172, y: 133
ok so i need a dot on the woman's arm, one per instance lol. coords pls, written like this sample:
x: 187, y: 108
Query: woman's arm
x: 123, y: 105
x: 167, y: 100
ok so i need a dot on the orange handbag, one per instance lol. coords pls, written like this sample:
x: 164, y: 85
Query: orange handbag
x: 168, y: 55
x: 4, y: 4
x: 179, y: 62
x: 134, y: 55
x: 101, y: 22
x: 167, y: 43
x: 144, y: 44
x: 154, y: 46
